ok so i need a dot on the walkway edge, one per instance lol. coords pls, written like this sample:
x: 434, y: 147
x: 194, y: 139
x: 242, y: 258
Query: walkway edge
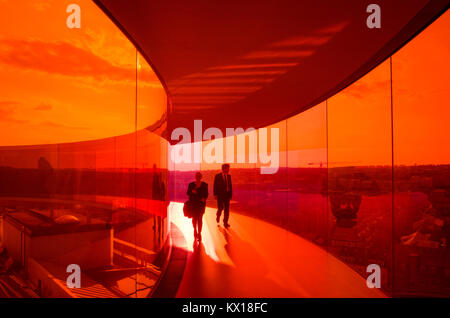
x: 170, y: 279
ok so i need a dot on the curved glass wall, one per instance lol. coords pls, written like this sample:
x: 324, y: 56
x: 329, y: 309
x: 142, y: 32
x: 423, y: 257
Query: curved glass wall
x: 85, y: 180
x: 363, y: 175
x: 83, y: 167
x: 421, y: 159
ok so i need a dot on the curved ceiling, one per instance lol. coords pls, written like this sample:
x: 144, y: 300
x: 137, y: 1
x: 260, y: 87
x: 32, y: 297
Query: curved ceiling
x: 252, y: 63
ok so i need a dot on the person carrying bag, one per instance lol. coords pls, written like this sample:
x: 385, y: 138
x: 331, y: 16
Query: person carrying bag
x: 187, y: 209
x: 195, y: 207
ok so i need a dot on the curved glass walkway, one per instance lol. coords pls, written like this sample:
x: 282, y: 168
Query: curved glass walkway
x: 252, y: 259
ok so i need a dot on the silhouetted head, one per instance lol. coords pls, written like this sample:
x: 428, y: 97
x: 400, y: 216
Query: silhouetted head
x: 198, y: 177
x: 226, y: 168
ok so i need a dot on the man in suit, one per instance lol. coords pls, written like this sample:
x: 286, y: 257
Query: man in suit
x: 223, y: 193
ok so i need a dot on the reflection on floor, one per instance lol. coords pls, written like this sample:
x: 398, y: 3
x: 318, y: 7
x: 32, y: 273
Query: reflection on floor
x: 253, y: 258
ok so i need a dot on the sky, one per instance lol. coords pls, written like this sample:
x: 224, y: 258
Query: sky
x: 64, y: 85
x: 359, y: 117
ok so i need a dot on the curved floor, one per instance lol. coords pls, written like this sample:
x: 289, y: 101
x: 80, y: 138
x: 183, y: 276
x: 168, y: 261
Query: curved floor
x: 257, y: 259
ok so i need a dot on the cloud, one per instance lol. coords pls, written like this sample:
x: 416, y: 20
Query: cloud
x: 8, y: 103
x: 43, y: 106
x: 41, y: 6
x: 49, y: 123
x: 7, y: 110
x: 61, y: 58
x: 362, y: 89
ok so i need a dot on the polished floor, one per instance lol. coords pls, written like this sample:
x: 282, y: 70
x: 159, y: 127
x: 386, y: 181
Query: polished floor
x: 253, y: 258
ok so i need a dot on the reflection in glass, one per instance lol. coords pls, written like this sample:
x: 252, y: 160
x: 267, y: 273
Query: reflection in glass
x: 307, y: 174
x: 90, y: 186
x: 359, y: 173
x: 422, y: 158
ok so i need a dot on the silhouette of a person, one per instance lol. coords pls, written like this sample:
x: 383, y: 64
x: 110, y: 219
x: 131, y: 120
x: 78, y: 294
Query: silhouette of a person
x: 158, y: 194
x: 223, y: 192
x: 158, y: 188
x: 198, y: 193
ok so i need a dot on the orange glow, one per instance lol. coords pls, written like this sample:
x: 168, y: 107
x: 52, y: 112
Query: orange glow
x: 421, y: 97
x: 82, y: 120
x: 64, y: 85
x: 359, y: 127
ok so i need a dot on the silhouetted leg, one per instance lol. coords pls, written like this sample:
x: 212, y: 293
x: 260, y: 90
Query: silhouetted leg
x: 194, y: 224
x: 159, y: 227
x: 226, y: 211
x: 219, y: 209
x: 199, y: 227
